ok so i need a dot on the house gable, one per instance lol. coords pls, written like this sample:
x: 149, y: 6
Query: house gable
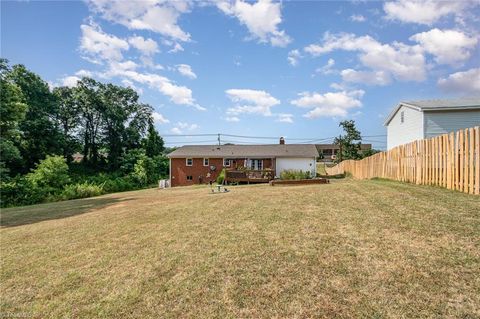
x: 405, y: 125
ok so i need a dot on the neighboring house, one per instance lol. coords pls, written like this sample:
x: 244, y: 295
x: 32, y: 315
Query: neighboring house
x: 328, y: 152
x: 198, y: 164
x: 416, y: 120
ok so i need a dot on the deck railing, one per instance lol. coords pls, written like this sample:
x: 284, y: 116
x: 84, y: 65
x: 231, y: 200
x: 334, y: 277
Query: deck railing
x: 249, y: 175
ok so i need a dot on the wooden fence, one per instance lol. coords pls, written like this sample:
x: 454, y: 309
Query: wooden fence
x: 451, y: 161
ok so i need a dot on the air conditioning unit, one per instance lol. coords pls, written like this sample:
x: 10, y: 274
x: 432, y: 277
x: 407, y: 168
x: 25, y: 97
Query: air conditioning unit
x: 334, y: 157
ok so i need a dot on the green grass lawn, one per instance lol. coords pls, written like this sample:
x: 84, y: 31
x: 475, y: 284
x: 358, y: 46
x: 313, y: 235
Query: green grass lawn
x: 347, y: 249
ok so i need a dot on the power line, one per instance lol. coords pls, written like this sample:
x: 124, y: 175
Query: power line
x: 258, y: 137
x: 240, y: 139
x: 191, y: 142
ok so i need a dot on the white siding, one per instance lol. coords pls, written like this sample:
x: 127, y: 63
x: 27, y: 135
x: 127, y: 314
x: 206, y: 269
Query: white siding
x: 410, y: 130
x: 437, y: 123
x: 297, y: 163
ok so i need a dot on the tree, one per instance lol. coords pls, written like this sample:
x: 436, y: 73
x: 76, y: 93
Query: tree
x: 137, y: 126
x: 40, y: 136
x: 87, y: 95
x: 12, y: 112
x: 153, y: 143
x: 67, y: 116
x: 350, y: 142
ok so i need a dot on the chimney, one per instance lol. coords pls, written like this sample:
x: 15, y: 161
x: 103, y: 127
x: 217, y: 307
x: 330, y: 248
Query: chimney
x: 282, y: 141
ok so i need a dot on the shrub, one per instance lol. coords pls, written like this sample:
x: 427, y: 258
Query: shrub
x: 130, y: 159
x: 83, y: 190
x: 221, y: 177
x: 148, y: 171
x: 50, y: 174
x: 141, y: 170
x: 119, y: 184
x: 295, y: 174
x: 19, y: 191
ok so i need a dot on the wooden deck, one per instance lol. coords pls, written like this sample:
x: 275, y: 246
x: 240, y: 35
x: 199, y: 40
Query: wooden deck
x: 249, y: 176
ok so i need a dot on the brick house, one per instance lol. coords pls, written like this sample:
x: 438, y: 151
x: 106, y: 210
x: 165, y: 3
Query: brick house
x: 200, y: 164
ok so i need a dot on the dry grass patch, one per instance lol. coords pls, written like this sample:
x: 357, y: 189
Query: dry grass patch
x: 347, y: 249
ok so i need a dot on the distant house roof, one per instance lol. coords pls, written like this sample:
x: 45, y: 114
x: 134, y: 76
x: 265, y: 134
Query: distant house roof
x: 437, y: 105
x: 240, y: 151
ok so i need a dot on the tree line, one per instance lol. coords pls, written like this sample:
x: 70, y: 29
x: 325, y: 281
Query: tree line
x: 106, y: 123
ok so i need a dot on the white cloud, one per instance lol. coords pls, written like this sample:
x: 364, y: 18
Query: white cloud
x: 177, y: 94
x: 176, y: 48
x: 462, y: 82
x: 101, y: 47
x: 186, y: 70
x: 448, y: 46
x: 98, y: 45
x: 183, y: 127
x: 159, y: 118
x: 147, y: 47
x: 327, y: 68
x: 329, y: 104
x: 365, y: 77
x: 261, y: 19
x: 423, y: 11
x: 251, y: 102
x: 338, y: 86
x: 232, y: 119
x: 285, y: 118
x: 130, y: 84
x: 154, y: 15
x: 357, y: 18
x: 406, y: 63
x: 176, y: 130
x: 70, y: 81
x: 293, y: 57
x: 84, y: 73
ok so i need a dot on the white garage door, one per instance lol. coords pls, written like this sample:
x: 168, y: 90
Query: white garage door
x: 301, y: 163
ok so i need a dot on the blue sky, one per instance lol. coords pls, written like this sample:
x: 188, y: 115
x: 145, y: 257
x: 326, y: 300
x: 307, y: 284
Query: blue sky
x: 269, y: 69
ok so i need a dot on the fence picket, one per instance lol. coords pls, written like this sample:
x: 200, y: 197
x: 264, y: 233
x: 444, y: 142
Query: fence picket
x: 450, y: 160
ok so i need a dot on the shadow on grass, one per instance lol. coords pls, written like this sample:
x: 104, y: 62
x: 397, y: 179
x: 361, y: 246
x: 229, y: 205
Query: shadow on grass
x: 17, y: 216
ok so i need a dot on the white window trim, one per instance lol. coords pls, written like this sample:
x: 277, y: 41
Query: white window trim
x: 229, y: 162
x: 251, y: 165
x: 208, y: 161
x: 186, y: 161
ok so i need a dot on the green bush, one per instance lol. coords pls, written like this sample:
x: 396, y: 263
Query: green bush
x: 119, y: 184
x: 83, y: 190
x: 221, y: 177
x: 148, y: 171
x: 19, y: 191
x: 50, y: 174
x: 295, y: 174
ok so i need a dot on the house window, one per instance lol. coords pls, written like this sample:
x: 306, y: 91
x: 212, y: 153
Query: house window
x: 189, y: 178
x: 226, y: 162
x: 256, y: 164
x: 402, y: 117
x: 189, y: 162
x: 205, y: 162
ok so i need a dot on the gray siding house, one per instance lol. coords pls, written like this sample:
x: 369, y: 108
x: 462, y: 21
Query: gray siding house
x: 416, y: 120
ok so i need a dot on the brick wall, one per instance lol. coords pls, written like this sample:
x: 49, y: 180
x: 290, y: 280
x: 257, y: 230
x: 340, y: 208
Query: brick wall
x: 200, y: 174
x: 203, y: 174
